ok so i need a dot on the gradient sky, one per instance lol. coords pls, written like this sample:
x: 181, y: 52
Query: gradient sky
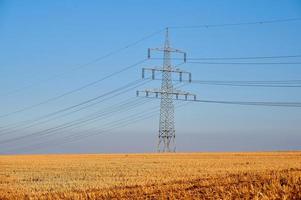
x: 41, y: 39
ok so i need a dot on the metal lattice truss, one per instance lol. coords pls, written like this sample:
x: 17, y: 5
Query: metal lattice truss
x: 158, y: 93
x: 167, y: 135
x: 171, y: 70
x: 166, y: 49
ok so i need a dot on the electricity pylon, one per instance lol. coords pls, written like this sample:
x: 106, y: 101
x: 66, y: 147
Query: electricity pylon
x: 166, y: 142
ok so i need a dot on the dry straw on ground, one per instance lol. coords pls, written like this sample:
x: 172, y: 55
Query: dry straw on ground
x: 266, y: 175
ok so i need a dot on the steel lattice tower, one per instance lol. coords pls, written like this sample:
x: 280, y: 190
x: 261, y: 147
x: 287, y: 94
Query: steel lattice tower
x: 167, y: 135
x: 166, y: 124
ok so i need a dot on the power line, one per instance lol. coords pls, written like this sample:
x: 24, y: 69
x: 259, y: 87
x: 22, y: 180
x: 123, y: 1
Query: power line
x: 236, y: 24
x: 195, y: 61
x: 102, y: 114
x: 63, y: 140
x: 111, y: 94
x: 250, y: 103
x: 245, y: 63
x: 245, y: 103
x: 37, y: 123
x: 145, y: 38
x: 249, y: 85
x: 111, y: 126
x: 246, y: 58
x: 133, y: 83
x: 279, y: 83
x: 109, y: 54
x: 83, y: 120
x: 142, y: 104
x: 128, y: 120
x: 253, y: 81
x: 72, y: 91
x: 76, y: 122
x: 236, y: 58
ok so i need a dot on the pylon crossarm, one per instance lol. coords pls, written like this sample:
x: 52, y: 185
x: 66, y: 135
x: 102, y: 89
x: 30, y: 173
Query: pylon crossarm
x: 171, y: 70
x: 158, y: 92
x: 160, y: 69
x: 167, y: 49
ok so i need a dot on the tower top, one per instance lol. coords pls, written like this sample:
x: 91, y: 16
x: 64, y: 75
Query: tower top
x: 167, y: 44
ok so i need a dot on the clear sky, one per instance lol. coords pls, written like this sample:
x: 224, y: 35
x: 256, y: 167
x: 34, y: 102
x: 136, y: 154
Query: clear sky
x: 41, y: 42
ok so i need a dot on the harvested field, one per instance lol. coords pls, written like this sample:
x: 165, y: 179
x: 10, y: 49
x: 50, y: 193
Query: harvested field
x: 260, y: 175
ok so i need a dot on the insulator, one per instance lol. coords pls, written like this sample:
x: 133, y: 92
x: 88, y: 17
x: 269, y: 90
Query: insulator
x: 185, y: 96
x: 137, y: 93
x: 194, y: 97
x: 189, y: 77
x: 157, y: 95
x: 180, y: 76
x: 143, y: 72
x: 148, y: 53
x: 185, y: 57
x: 177, y: 96
x: 153, y: 74
x: 146, y: 93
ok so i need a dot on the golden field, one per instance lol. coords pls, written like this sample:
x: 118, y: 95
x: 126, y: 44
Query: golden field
x: 260, y: 175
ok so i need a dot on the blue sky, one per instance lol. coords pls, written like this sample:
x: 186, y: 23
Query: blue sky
x: 42, y: 39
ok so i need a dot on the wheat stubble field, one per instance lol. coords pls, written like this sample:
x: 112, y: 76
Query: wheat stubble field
x: 264, y: 175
